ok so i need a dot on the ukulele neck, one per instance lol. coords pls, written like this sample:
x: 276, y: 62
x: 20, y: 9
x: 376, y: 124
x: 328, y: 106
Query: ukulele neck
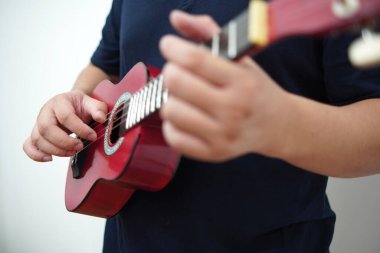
x: 265, y: 22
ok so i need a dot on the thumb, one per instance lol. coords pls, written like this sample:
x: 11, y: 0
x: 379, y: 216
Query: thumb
x: 96, y: 109
x: 195, y: 27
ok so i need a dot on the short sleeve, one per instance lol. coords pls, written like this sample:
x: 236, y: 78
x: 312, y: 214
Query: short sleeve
x: 107, y: 54
x: 346, y: 84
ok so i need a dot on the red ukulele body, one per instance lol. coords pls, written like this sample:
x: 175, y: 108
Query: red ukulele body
x: 141, y: 161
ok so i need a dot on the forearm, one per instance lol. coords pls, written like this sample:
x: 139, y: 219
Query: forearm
x: 329, y: 140
x: 90, y: 77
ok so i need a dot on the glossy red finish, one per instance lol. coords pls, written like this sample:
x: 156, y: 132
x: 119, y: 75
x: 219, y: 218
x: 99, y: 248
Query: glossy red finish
x: 306, y: 17
x: 143, y: 161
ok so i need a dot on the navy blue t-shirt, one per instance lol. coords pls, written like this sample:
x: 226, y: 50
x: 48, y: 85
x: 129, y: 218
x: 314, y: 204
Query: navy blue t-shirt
x: 249, y: 204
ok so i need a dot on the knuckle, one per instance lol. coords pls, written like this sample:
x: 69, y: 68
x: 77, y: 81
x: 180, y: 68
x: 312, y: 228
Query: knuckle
x: 218, y: 152
x: 63, y: 117
x: 82, y: 132
x: 228, y: 133
x: 33, y: 138
x: 42, y: 128
x: 235, y: 112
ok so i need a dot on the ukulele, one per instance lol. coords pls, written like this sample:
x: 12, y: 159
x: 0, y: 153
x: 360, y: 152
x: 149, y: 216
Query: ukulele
x: 131, y: 153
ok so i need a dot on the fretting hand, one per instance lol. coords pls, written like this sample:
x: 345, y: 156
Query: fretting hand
x: 217, y: 109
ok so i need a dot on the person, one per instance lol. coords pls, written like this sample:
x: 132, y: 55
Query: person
x: 258, y: 136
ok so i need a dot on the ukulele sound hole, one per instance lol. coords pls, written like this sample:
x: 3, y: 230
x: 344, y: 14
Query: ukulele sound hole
x: 115, y: 126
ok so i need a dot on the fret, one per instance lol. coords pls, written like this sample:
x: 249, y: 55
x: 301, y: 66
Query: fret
x: 232, y: 42
x: 159, y: 92
x: 139, y: 114
x: 136, y: 107
x: 154, y: 92
x: 148, y: 99
x: 165, y: 96
x: 242, y: 40
x: 142, y: 111
x: 215, y: 44
x: 129, y: 113
x: 135, y: 113
x: 141, y: 105
x: 165, y: 92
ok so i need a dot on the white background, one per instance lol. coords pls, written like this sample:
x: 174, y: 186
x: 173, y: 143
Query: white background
x: 43, y: 46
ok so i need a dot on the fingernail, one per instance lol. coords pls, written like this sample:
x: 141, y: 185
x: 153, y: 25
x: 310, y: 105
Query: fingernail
x: 92, y: 137
x: 47, y: 158
x: 78, y: 146
x: 101, y: 115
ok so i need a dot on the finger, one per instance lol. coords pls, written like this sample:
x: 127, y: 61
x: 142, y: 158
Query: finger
x: 47, y: 128
x: 59, y: 138
x: 200, y: 61
x: 189, y: 119
x: 73, y: 123
x: 67, y: 118
x: 55, y: 142
x: 34, y: 153
x: 48, y: 148
x: 196, y: 27
x: 184, y: 85
x: 95, y: 108
x: 189, y: 145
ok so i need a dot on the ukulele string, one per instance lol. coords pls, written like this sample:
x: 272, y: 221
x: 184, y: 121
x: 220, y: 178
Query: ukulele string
x: 122, y: 119
x: 103, y: 129
x: 108, y: 115
x: 95, y: 124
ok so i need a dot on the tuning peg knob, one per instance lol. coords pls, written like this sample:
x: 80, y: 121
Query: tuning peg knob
x: 364, y: 52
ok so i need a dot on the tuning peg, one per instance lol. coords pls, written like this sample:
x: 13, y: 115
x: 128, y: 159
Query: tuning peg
x: 364, y: 52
